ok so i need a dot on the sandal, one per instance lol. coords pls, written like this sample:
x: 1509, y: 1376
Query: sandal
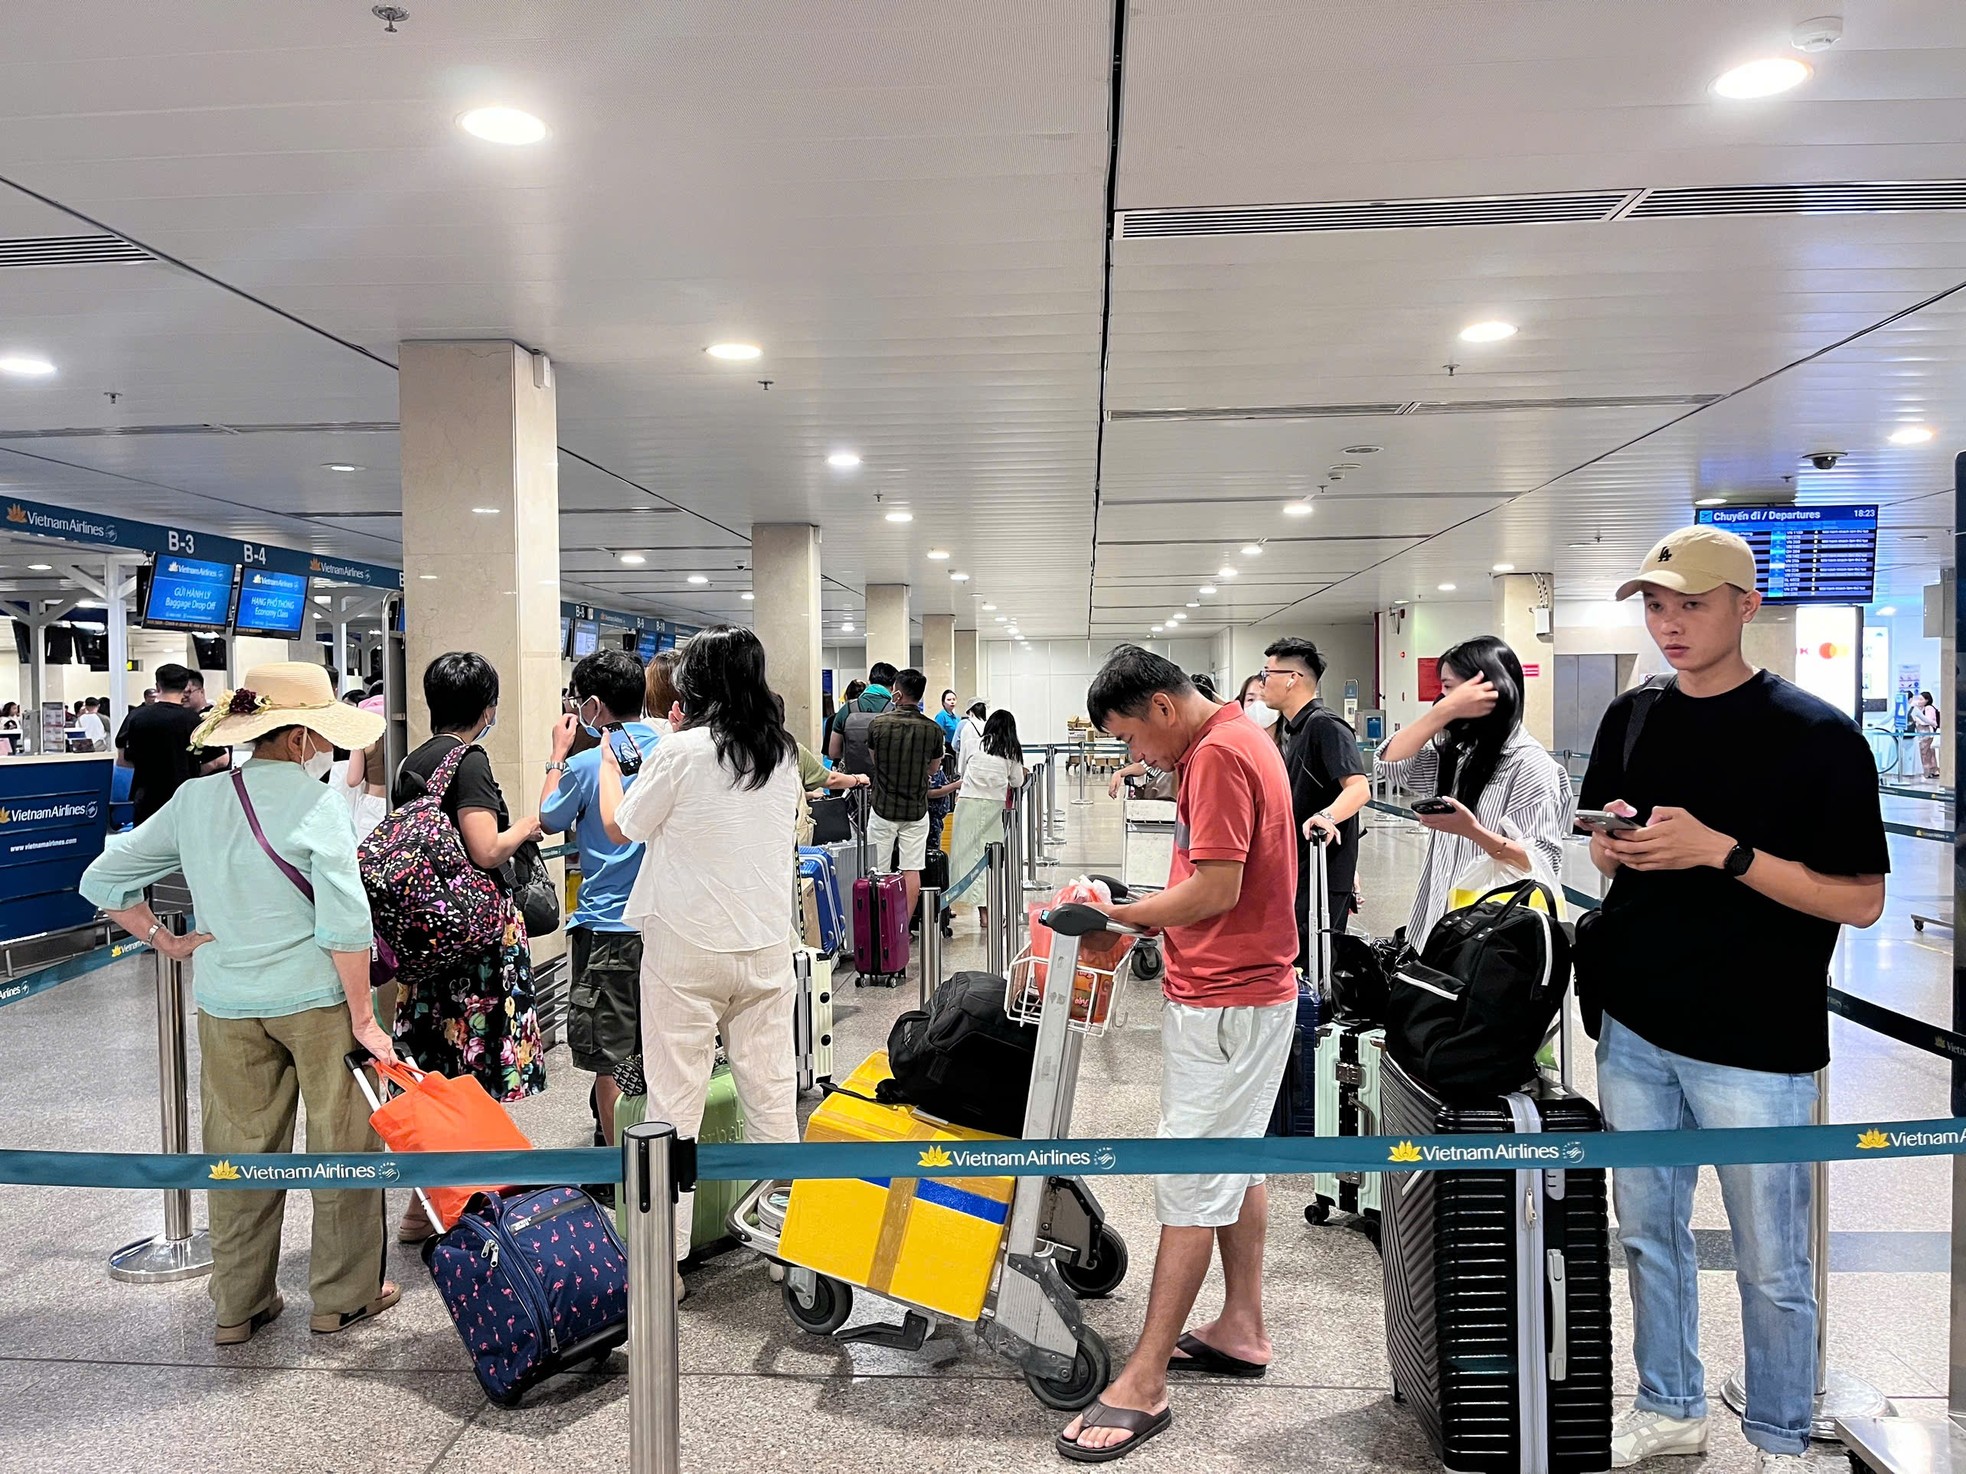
x: 416, y: 1226
x: 243, y: 1332
x: 1141, y: 1426
x: 327, y: 1325
x: 1201, y: 1357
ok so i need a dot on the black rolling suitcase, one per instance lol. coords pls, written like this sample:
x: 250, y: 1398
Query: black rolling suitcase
x: 1498, y: 1289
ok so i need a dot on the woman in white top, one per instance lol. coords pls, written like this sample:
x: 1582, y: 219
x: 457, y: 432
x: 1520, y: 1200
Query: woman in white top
x: 715, y: 805
x: 1925, y: 722
x: 1511, y: 799
x: 994, y: 766
x: 969, y: 736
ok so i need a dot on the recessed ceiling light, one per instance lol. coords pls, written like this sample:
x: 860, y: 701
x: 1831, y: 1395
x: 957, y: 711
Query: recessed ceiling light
x: 1207, y: 588
x: 27, y: 368
x: 1911, y: 435
x: 1400, y: 603
x: 1583, y: 545
x: 988, y: 607
x: 1193, y: 605
x: 1251, y: 550
x: 939, y: 554
x: 1225, y: 571
x: 1503, y: 568
x: 428, y: 577
x: 39, y: 568
x: 1176, y: 617
x: 340, y: 466
x: 1711, y: 501
x: 1360, y: 450
x: 1762, y: 78
x: 1487, y: 332
x: 959, y: 577
x: 1159, y: 627
x: 1296, y: 509
x: 1887, y: 611
x: 847, y: 628
x: 698, y: 578
x: 901, y: 516
x: 502, y: 125
x: 633, y: 559
x: 735, y: 352
x: 747, y: 596
x: 1003, y: 619
x: 486, y: 511
x: 839, y: 460
x: 322, y: 599
x: 1344, y: 466
x: 1445, y: 588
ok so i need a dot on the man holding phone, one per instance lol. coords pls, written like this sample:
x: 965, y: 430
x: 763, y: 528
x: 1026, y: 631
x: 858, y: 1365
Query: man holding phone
x: 1710, y: 957
x: 603, y: 1025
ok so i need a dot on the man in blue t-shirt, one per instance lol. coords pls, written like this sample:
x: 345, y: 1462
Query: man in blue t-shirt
x: 603, y: 1029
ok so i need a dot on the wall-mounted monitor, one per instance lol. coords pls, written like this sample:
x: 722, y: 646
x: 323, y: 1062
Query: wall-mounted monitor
x: 60, y: 642
x: 1807, y: 555
x: 586, y: 638
x: 186, y: 594
x: 210, y: 652
x: 647, y: 644
x: 566, y: 633
x: 23, y: 641
x: 92, y: 649
x: 271, y: 605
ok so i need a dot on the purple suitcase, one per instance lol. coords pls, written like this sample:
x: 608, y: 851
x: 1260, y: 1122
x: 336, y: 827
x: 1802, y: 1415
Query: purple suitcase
x: 880, y: 930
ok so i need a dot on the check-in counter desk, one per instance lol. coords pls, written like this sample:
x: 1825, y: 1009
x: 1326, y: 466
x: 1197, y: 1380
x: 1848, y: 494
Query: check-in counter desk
x: 54, y: 816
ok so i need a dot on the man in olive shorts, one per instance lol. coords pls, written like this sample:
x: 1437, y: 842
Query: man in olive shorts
x: 602, y: 1025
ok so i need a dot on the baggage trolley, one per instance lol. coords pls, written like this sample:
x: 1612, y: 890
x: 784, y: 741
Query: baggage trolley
x: 1057, y: 1248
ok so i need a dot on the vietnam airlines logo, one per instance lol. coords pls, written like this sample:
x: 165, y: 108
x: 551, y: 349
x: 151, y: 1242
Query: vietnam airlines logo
x: 1406, y: 1151
x: 313, y: 565
x: 934, y: 1157
x: 223, y: 1171
x: 1873, y: 1140
x: 16, y: 513
x: 6, y: 816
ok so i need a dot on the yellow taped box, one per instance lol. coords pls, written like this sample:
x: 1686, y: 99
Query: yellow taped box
x: 930, y: 1242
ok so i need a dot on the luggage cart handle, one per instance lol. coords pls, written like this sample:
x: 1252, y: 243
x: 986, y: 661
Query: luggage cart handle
x: 1076, y: 920
x: 1115, y: 887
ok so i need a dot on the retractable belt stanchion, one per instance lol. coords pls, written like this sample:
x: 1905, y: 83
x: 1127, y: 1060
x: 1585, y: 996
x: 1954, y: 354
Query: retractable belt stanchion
x: 652, y: 1180
x: 1054, y: 816
x: 1085, y: 762
x: 180, y: 1252
x: 931, y: 941
x: 996, y: 894
x: 1839, y: 1394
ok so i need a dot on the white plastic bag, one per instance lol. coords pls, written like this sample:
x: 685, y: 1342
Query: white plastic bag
x: 1486, y: 873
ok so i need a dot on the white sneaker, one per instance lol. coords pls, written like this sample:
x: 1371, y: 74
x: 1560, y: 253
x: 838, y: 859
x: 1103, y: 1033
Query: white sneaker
x: 1638, y: 1435
x: 1783, y: 1463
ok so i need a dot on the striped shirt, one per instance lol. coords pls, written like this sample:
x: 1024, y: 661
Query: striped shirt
x: 1530, y: 793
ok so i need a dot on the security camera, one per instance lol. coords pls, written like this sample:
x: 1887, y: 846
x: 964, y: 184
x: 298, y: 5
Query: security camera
x: 1825, y: 460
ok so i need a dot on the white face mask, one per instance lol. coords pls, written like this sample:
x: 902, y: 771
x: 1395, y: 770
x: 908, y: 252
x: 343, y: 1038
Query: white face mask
x: 1261, y: 713
x: 316, y: 767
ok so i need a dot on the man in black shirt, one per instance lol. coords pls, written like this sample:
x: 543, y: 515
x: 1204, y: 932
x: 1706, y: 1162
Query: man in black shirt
x: 1328, y: 786
x: 155, y: 742
x: 1711, y: 957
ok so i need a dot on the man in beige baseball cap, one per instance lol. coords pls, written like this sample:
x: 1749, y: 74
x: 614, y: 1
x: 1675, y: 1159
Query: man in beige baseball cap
x: 1694, y: 560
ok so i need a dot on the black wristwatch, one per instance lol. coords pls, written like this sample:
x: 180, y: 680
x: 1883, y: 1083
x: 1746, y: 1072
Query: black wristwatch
x: 1738, y: 860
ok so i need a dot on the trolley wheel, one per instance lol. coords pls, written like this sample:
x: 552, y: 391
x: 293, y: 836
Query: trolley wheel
x: 1091, y: 1370
x: 1148, y: 964
x: 1100, y: 1277
x: 832, y: 1303
x: 1317, y: 1212
x: 1917, y: 924
x: 1374, y: 1230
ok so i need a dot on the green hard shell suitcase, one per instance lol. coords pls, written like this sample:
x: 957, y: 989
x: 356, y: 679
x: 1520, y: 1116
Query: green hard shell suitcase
x: 723, y: 1124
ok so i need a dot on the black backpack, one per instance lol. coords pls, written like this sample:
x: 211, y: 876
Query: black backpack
x: 854, y: 757
x: 1467, y: 1016
x: 964, y: 1059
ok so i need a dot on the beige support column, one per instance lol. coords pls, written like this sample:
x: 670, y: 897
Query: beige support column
x: 1941, y: 602
x: 968, y: 668
x: 785, y: 613
x: 480, y: 431
x: 1525, y: 603
x: 939, y: 658
x: 887, y: 624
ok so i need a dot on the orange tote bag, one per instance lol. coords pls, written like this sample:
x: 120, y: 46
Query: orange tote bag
x: 438, y: 1114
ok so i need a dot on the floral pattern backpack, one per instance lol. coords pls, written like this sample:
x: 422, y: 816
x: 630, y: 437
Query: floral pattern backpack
x: 431, y: 904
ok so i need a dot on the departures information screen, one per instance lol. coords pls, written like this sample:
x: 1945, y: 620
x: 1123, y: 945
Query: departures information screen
x: 1807, y: 555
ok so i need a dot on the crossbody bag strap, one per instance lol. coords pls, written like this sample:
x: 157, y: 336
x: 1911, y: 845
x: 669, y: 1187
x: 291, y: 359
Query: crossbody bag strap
x: 1642, y: 704
x: 252, y: 820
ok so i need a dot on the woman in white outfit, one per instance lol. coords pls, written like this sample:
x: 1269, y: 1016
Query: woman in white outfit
x: 715, y: 806
x: 993, y: 768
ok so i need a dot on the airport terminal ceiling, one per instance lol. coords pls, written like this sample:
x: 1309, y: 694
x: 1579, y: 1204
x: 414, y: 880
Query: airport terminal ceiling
x: 906, y: 207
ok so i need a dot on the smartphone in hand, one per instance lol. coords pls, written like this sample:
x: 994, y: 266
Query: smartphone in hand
x: 1432, y: 806
x: 627, y: 754
x: 1602, y: 821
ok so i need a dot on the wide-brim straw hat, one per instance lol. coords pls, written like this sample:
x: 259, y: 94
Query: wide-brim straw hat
x: 291, y: 693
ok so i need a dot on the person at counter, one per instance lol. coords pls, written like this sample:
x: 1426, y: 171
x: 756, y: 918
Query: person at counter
x: 155, y: 741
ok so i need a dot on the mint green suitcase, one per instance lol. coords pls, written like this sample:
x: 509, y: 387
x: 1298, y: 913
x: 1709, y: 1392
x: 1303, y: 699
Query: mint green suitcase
x: 723, y: 1123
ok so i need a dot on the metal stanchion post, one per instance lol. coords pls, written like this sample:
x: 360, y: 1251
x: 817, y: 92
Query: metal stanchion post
x: 180, y: 1252
x: 1085, y: 762
x: 1840, y: 1395
x: 1052, y: 812
x: 997, y: 895
x: 931, y: 941
x: 650, y: 1186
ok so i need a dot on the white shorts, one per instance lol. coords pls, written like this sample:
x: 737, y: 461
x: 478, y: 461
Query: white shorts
x: 882, y: 833
x: 1220, y: 1072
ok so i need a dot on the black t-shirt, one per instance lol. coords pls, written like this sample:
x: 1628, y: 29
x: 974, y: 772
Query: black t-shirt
x: 157, y: 741
x: 1695, y: 961
x: 1321, y: 752
x: 472, y: 787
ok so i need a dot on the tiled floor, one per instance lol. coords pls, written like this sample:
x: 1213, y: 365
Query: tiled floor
x: 100, y: 1376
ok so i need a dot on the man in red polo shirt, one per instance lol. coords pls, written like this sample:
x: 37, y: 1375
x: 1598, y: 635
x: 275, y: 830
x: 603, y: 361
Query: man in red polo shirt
x: 1229, y: 922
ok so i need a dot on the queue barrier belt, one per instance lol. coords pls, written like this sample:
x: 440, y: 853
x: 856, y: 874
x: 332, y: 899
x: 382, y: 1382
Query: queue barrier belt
x: 1079, y: 1157
x: 27, y: 985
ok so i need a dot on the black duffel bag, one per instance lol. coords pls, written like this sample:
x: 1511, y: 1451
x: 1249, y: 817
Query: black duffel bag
x: 1361, y: 972
x: 1467, y: 1016
x: 963, y: 1059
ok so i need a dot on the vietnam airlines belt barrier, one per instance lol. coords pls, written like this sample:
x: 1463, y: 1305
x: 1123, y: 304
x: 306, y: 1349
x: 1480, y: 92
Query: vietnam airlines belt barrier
x: 1090, y: 1157
x: 13, y: 990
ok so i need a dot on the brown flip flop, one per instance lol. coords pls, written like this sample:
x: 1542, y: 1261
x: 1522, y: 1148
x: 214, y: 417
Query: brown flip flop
x: 1141, y: 1426
x: 327, y: 1325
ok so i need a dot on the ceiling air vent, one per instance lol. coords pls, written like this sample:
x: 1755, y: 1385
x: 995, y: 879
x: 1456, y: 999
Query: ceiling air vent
x: 99, y: 432
x: 69, y: 250
x: 1262, y: 412
x: 1861, y: 198
x: 1521, y: 209
x: 1576, y: 401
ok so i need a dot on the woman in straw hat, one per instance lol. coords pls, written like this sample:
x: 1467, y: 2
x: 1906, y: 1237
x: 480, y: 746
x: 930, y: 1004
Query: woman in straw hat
x: 281, y: 981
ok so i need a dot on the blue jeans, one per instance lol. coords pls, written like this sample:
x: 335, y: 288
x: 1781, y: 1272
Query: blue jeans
x: 1645, y: 1088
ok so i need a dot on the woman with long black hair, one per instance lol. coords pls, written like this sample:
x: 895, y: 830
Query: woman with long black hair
x: 995, y: 766
x: 715, y: 805
x: 1510, y: 800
